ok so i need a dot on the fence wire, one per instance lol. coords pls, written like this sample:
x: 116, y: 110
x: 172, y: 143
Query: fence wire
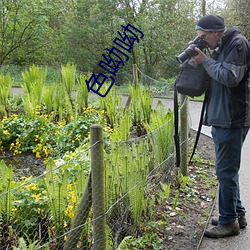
x: 48, y: 203
x: 44, y: 210
x: 158, y: 87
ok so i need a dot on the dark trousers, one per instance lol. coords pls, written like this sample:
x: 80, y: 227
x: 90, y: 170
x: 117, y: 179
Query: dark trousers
x: 228, y: 145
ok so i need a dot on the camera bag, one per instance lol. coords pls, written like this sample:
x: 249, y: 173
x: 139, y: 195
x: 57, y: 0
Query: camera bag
x: 192, y: 79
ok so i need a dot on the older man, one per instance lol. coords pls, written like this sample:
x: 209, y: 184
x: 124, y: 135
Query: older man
x: 228, y: 112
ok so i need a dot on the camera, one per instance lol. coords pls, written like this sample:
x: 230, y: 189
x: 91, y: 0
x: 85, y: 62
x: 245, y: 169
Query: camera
x: 190, y: 51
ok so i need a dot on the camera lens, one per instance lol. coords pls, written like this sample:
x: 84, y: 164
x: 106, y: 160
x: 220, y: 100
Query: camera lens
x: 187, y: 53
x: 190, y: 50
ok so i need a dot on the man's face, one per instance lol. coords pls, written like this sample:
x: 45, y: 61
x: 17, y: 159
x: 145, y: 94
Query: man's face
x: 211, y: 38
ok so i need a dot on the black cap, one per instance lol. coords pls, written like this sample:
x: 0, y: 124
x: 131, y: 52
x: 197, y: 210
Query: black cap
x: 210, y: 23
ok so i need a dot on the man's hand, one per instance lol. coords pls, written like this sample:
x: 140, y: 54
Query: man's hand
x: 200, y: 58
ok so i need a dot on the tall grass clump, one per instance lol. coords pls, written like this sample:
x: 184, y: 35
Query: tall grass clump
x: 68, y: 74
x: 82, y: 94
x: 34, y: 80
x: 48, y: 98
x: 111, y: 104
x: 6, y: 184
x: 141, y: 106
x: 161, y: 130
x: 5, y: 90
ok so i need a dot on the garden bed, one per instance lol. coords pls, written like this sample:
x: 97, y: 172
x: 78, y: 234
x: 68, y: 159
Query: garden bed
x: 178, y: 222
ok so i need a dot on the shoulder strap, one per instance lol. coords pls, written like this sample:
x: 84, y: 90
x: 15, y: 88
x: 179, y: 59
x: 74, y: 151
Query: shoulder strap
x: 199, y: 127
x: 176, y: 127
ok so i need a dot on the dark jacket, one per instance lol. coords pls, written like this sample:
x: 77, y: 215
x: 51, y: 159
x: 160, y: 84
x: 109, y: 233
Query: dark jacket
x: 228, y: 103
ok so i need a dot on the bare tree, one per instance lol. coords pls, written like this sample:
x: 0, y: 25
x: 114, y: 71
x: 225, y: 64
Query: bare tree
x: 20, y: 22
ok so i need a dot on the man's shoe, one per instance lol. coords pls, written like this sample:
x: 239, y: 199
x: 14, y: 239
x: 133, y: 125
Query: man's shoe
x: 241, y: 219
x: 221, y: 231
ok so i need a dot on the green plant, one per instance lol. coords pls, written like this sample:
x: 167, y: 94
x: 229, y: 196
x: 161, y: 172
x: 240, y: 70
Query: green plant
x: 15, y: 71
x: 6, y: 184
x: 45, y: 138
x: 147, y: 241
x: 34, y: 81
x: 161, y: 128
x: 126, y: 173
x: 176, y: 199
x: 59, y: 101
x: 48, y: 98
x: 23, y: 134
x: 62, y: 104
x: 111, y: 104
x: 184, y: 181
x: 30, y: 207
x: 29, y: 245
x: 68, y: 74
x: 82, y: 94
x: 164, y: 191
x: 56, y: 187
x: 5, y: 90
x: 121, y: 131
x: 141, y: 104
x: 64, y: 182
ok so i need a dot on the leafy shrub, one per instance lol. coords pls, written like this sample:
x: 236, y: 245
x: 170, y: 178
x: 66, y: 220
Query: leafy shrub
x: 44, y: 138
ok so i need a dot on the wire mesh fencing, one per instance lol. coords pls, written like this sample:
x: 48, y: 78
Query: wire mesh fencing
x: 60, y: 208
x: 45, y: 211
x: 162, y: 87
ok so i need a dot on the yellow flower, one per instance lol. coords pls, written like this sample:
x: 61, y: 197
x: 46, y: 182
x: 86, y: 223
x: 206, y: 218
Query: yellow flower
x: 6, y: 132
x: 31, y: 187
x: 37, y: 196
x: 103, y: 112
x: 69, y: 211
x: 14, y: 209
x: 45, y: 151
x: 16, y: 152
x: 38, y: 156
x: 73, y: 199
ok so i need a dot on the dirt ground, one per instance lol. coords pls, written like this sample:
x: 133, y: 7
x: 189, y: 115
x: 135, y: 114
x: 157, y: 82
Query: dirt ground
x: 187, y: 223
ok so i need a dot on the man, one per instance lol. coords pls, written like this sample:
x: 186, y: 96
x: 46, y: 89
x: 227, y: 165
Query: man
x: 228, y: 112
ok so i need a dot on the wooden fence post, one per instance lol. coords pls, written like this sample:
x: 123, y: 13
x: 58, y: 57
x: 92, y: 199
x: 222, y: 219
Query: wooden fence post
x: 98, y: 194
x: 184, y: 135
x: 135, y: 74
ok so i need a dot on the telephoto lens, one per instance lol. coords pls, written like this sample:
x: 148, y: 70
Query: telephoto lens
x: 190, y: 51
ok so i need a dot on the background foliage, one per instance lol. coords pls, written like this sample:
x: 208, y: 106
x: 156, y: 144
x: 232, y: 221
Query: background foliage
x: 49, y: 32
